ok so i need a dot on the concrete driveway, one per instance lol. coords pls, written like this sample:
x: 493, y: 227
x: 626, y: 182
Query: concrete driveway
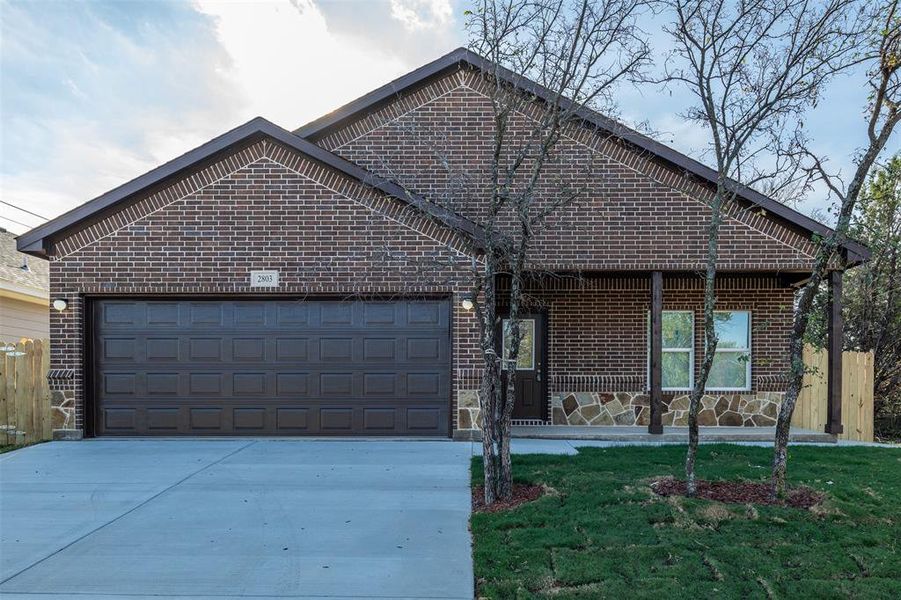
x: 233, y: 518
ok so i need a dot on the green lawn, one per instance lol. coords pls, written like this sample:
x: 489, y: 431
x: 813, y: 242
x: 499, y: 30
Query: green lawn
x: 603, y: 534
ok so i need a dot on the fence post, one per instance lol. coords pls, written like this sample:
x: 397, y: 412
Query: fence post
x: 23, y: 398
x: 4, y: 412
x: 46, y: 408
x: 12, y: 406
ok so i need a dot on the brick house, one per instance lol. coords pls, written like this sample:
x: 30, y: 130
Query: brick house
x: 315, y: 282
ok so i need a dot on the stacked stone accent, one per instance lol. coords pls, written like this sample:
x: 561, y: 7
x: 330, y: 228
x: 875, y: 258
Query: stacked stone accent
x: 593, y: 408
x: 63, y: 409
x: 468, y: 412
x: 633, y: 408
x: 610, y: 409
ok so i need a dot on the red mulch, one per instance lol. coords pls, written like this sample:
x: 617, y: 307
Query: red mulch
x: 739, y: 492
x: 522, y: 493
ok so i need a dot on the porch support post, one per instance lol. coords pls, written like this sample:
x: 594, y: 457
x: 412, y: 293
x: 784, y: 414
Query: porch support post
x: 655, y: 426
x: 835, y: 342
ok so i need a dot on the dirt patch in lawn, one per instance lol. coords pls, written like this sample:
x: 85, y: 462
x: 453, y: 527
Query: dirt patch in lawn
x: 522, y: 493
x: 740, y: 492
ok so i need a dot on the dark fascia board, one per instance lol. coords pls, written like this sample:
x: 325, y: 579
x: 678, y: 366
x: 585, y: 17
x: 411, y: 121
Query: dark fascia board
x: 33, y: 242
x: 322, y: 126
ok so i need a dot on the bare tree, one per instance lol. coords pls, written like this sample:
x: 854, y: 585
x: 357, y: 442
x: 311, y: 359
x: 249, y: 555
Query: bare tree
x: 753, y: 68
x: 577, y: 51
x: 883, y: 56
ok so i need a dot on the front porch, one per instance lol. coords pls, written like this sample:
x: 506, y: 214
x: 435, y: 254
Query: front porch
x: 615, y: 354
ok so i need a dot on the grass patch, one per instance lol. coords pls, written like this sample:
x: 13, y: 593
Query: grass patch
x: 4, y: 448
x: 605, y: 534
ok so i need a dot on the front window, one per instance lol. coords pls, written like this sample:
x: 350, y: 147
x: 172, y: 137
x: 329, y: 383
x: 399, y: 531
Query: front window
x: 678, y: 350
x: 731, y: 369
x: 525, y: 360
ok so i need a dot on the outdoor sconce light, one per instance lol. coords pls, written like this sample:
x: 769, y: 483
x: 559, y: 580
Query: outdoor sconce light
x: 60, y: 305
x: 466, y: 302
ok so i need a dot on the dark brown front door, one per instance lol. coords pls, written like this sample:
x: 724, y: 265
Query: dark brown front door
x: 271, y: 367
x: 530, y: 369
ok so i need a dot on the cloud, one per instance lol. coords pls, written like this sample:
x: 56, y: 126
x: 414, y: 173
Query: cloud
x: 288, y: 65
x: 422, y: 14
x: 97, y: 94
x: 93, y: 98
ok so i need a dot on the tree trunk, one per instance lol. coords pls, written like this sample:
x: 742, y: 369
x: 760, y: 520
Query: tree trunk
x: 710, y: 342
x: 490, y: 386
x: 505, y: 479
x: 783, y: 423
x: 795, y: 380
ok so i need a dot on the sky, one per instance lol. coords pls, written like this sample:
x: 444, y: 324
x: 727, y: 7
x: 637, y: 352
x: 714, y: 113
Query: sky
x: 93, y: 94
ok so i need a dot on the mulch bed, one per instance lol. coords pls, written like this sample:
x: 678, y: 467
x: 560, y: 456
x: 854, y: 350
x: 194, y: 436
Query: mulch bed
x: 522, y: 493
x: 739, y: 492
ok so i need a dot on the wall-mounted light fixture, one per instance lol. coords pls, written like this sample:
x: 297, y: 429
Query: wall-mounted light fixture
x: 466, y: 302
x: 60, y: 304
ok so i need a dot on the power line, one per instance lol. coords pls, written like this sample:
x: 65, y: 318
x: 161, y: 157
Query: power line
x: 24, y: 211
x: 16, y: 222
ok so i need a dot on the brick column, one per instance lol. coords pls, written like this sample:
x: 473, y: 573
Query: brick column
x: 656, y: 382
x: 835, y: 343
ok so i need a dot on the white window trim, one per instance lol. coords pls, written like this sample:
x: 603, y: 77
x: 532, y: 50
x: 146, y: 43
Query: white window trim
x: 747, y: 387
x: 691, y: 354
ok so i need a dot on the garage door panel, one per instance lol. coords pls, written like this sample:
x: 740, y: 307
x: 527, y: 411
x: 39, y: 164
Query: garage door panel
x: 160, y: 314
x: 335, y: 313
x: 162, y: 349
x: 292, y: 349
x: 117, y: 315
x: 206, y: 315
x: 249, y: 314
x: 248, y: 349
x: 381, y: 313
x: 425, y: 419
x: 273, y: 367
x: 291, y: 313
x: 336, y: 349
x: 163, y: 420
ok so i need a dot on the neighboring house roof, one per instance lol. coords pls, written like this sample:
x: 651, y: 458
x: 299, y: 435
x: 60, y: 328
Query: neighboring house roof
x: 344, y: 115
x: 35, y: 241
x: 21, y: 277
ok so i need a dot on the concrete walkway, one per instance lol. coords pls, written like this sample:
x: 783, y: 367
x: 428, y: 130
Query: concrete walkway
x: 670, y: 434
x: 571, y: 446
x: 236, y: 518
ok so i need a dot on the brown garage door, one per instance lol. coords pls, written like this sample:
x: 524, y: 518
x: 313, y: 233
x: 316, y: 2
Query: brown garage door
x: 271, y: 367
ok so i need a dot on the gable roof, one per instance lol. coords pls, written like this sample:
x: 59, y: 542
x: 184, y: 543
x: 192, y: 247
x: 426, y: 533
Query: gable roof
x: 450, y: 62
x: 35, y: 241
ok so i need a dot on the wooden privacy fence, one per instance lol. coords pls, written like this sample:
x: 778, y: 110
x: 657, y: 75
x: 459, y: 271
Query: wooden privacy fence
x: 24, y: 395
x: 857, y: 394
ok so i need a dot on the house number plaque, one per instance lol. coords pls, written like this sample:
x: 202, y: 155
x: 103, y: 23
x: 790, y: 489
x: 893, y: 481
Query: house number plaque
x: 260, y: 279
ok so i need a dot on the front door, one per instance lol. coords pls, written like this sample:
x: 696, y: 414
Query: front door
x: 530, y: 369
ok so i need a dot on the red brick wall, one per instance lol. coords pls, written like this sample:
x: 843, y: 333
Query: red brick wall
x: 634, y: 214
x: 261, y: 216
x: 268, y: 208
x: 598, y: 327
